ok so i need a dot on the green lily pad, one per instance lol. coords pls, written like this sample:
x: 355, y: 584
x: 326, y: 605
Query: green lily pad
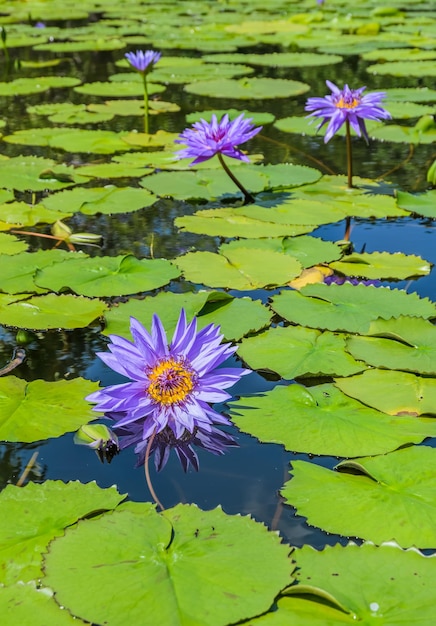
x: 337, y: 586
x: 133, y: 107
x: 407, y: 110
x: 382, y: 265
x: 36, y: 174
x: 395, y: 393
x: 422, y: 204
x: 307, y: 250
x: 404, y: 343
x: 118, y: 89
x: 211, y: 183
x: 313, y: 353
x: 235, y: 316
x: 243, y: 269
x: 229, y: 222
x: 410, y: 94
x: 9, y: 244
x: 203, y: 72
x: 398, y: 488
x: 50, y: 311
x: 107, y: 276
x: 322, y: 420
x: 33, y: 515
x: 19, y: 214
x: 277, y: 59
x: 114, y: 170
x: 233, y: 563
x: 91, y: 44
x: 348, y: 307
x: 258, y: 118
x: 404, y: 68
x: 424, y: 131
x: 145, y: 140
x: 26, y: 603
x: 62, y: 404
x: 72, y: 139
x: 248, y: 88
x: 107, y: 200
x: 26, y: 86
x: 18, y: 271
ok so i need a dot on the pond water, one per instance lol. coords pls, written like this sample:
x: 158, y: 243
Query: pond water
x: 247, y: 479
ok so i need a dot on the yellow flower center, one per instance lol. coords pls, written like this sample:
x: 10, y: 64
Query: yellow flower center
x: 347, y: 104
x: 171, y: 381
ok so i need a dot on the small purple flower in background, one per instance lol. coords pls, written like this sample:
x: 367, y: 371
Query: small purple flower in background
x: 39, y: 25
x: 167, y: 402
x: 207, y: 139
x: 320, y: 2
x: 347, y: 105
x: 143, y: 62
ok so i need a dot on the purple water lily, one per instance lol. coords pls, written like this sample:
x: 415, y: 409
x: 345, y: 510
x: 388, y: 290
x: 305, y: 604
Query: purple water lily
x: 207, y: 139
x: 171, y: 386
x: 347, y: 105
x: 143, y: 62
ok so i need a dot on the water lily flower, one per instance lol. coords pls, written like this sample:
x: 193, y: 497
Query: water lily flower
x: 143, y: 62
x: 171, y: 385
x: 207, y: 139
x: 347, y: 106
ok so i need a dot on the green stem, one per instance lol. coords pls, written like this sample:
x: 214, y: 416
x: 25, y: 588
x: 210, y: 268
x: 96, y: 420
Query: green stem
x: 349, y: 154
x: 144, y: 80
x: 248, y: 198
x: 147, y: 472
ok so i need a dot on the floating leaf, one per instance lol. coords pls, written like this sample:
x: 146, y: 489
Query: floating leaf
x: 27, y: 603
x: 235, y: 316
x: 404, y: 68
x: 72, y: 139
x: 248, y: 88
x: 258, y: 118
x: 243, y: 269
x: 156, y: 140
x: 61, y: 403
x: 348, y: 307
x: 212, y: 183
x: 18, y: 271
x: 410, y: 94
x: 395, y: 393
x: 422, y: 204
x: 118, y: 89
x: 50, y: 311
x: 398, y: 488
x: 33, y: 515
x: 424, y: 131
x: 337, y: 586
x: 307, y: 250
x: 278, y: 59
x: 107, y: 276
x: 11, y: 245
x: 114, y: 170
x: 322, y: 420
x: 187, y: 552
x: 107, y: 200
x: 25, y: 86
x: 229, y: 222
x: 382, y: 265
x: 24, y: 173
x: 296, y: 351
x: 404, y: 343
